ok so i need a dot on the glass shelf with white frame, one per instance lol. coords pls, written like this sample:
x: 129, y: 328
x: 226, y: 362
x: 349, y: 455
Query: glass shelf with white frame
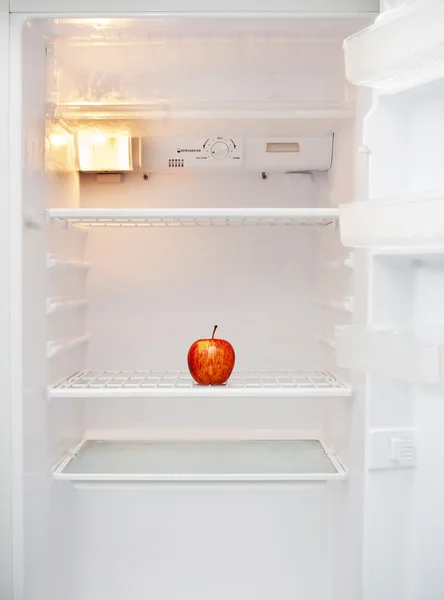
x: 401, y: 50
x: 412, y: 355
x: 179, y: 384
x: 194, y: 217
x: 95, y: 462
x: 408, y: 222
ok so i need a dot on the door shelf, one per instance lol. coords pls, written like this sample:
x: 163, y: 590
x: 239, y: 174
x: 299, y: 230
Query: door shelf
x: 409, y: 221
x: 154, y: 384
x: 401, y: 50
x: 93, y: 462
x: 406, y: 355
x: 194, y: 217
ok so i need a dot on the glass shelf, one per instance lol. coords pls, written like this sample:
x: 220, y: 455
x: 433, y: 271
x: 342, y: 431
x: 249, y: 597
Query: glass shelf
x: 104, y: 461
x: 194, y: 217
x: 141, y: 384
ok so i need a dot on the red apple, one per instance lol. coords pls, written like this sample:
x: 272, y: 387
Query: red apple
x: 211, y: 361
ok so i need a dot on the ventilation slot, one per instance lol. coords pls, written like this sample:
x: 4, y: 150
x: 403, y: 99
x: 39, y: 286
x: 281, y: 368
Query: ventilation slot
x: 175, y: 162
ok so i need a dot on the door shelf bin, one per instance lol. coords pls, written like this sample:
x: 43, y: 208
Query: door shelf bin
x: 408, y: 221
x: 105, y: 461
x: 406, y: 355
x: 401, y: 50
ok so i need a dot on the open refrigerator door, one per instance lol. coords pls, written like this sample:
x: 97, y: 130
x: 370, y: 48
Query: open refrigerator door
x: 398, y: 227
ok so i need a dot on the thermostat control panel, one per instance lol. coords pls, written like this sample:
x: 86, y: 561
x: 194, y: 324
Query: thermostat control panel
x: 161, y: 155
x: 175, y: 154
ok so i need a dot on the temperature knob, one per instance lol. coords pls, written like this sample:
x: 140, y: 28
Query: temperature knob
x: 219, y: 150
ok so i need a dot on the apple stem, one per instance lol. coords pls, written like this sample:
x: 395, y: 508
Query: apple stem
x: 214, y: 331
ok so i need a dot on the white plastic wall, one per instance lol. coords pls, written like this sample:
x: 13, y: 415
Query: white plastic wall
x: 251, y: 541
x: 6, y: 470
x: 44, y: 516
x: 164, y: 288
x: 344, y: 423
x: 152, y: 293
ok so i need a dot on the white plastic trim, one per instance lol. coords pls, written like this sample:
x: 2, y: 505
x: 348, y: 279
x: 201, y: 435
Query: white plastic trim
x: 347, y: 261
x: 346, y: 304
x: 55, y: 347
x: 327, y: 342
x: 161, y: 217
x: 73, y: 113
x: 65, y: 263
x: 64, y: 304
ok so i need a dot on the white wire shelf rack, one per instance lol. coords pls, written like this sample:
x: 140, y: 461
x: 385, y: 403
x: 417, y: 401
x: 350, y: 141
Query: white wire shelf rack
x: 195, y: 217
x: 93, y: 462
x: 130, y: 384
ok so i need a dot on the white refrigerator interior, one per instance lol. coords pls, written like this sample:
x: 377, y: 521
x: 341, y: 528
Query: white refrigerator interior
x: 170, y: 173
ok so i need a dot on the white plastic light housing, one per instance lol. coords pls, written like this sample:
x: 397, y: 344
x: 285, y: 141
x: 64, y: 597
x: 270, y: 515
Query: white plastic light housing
x: 100, y: 153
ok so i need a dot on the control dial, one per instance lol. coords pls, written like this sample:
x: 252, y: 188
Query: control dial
x: 220, y: 148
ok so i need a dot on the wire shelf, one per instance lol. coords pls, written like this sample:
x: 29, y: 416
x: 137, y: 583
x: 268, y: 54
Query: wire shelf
x: 116, y: 384
x: 195, y: 217
x: 95, y: 461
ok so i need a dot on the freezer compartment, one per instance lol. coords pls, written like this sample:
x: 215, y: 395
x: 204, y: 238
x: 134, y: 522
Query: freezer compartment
x: 98, y: 461
x: 416, y: 356
x: 406, y: 221
x: 241, y: 66
x: 402, y: 50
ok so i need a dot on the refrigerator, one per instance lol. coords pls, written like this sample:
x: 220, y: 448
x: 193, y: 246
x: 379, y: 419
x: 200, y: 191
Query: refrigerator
x: 275, y: 170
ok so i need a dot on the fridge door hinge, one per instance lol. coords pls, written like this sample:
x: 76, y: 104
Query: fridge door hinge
x: 392, y: 448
